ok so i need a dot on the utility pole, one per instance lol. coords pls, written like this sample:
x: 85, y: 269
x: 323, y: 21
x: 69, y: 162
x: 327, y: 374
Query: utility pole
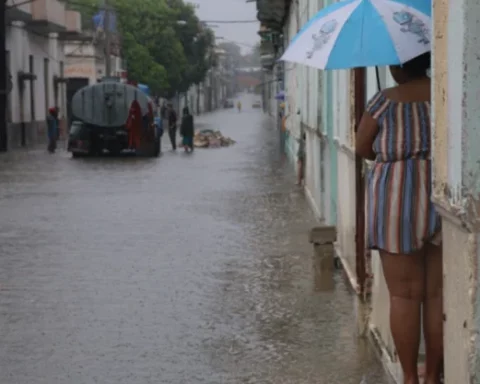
x: 3, y: 79
x: 108, y: 45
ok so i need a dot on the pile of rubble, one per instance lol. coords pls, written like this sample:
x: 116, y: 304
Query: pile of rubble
x: 207, y: 138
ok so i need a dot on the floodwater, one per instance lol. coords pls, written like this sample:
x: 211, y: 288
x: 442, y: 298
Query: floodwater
x: 183, y: 269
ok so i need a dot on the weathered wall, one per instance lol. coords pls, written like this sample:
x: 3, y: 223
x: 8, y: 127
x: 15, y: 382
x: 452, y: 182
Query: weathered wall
x: 343, y: 103
x: 24, y: 107
x: 456, y: 113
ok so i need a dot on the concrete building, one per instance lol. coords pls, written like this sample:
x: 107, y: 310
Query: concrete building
x: 35, y: 36
x: 85, y: 60
x: 85, y: 63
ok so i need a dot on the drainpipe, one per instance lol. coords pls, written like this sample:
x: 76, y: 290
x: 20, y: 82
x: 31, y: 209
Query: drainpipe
x: 359, y: 108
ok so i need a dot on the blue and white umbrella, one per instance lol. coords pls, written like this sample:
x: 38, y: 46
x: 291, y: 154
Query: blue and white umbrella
x: 363, y: 33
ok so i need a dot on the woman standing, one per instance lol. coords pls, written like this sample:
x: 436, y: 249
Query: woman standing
x: 187, y: 130
x: 402, y: 222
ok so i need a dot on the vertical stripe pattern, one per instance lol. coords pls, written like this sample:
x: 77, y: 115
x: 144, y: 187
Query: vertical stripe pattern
x: 401, y: 216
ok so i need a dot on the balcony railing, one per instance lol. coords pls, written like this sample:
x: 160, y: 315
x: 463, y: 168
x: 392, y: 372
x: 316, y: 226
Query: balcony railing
x: 50, y: 11
x: 73, y: 21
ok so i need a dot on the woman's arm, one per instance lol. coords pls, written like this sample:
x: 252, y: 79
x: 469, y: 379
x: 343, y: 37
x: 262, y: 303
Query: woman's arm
x: 366, y: 133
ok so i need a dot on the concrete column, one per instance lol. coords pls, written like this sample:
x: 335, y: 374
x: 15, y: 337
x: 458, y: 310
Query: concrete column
x: 456, y: 181
x: 18, y: 59
x: 53, y: 53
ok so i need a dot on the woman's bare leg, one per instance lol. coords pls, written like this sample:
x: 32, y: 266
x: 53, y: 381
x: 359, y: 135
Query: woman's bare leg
x: 405, y: 277
x: 433, y: 314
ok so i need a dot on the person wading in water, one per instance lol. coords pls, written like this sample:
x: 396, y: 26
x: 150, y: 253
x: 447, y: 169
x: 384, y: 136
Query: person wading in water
x: 187, y: 130
x: 172, y: 126
x: 52, y: 129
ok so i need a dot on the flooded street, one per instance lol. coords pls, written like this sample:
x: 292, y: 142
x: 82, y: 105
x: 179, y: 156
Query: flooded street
x: 183, y: 269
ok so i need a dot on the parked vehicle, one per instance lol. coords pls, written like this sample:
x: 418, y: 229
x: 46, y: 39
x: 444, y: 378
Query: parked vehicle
x: 228, y: 104
x: 257, y: 104
x: 113, y: 117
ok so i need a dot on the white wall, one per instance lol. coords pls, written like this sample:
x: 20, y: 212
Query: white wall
x: 21, y: 44
x: 346, y: 207
x: 292, y: 101
x: 81, y: 67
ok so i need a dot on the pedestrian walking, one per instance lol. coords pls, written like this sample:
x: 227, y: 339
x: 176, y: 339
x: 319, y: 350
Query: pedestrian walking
x: 239, y: 106
x: 164, y: 115
x: 52, y: 129
x: 172, y: 126
x: 403, y: 224
x: 158, y: 123
x: 301, y: 159
x: 187, y: 130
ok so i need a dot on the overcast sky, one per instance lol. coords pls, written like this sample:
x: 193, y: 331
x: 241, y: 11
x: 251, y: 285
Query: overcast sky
x: 243, y: 34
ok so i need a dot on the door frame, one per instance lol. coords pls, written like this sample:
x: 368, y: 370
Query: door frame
x: 359, y: 108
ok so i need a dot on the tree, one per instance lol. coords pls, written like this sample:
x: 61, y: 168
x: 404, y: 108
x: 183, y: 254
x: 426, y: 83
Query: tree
x: 149, y: 27
x: 200, y: 59
x: 167, y: 55
x: 234, y: 51
x: 197, y: 42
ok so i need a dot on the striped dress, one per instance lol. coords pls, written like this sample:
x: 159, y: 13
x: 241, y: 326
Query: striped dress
x: 401, y: 217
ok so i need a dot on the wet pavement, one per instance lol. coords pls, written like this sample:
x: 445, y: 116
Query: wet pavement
x: 183, y: 269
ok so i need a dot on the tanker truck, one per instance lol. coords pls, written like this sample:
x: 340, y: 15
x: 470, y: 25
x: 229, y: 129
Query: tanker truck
x: 112, y: 117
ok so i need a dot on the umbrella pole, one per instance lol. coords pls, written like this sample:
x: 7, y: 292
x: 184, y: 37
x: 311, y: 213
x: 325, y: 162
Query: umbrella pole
x: 377, y: 73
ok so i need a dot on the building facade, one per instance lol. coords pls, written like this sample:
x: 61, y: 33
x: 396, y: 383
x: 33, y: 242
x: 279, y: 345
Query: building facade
x: 456, y: 186
x: 85, y: 64
x: 327, y: 106
x: 35, y: 36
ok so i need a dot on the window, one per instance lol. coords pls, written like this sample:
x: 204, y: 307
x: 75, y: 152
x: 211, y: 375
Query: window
x: 31, y: 69
x: 46, y: 83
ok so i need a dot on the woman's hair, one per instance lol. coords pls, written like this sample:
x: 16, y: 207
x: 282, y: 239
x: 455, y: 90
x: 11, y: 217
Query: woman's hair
x: 186, y: 111
x: 418, y: 66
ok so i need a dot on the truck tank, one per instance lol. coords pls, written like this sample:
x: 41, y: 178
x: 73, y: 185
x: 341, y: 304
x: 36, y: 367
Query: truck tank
x: 107, y: 104
x: 114, y: 117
